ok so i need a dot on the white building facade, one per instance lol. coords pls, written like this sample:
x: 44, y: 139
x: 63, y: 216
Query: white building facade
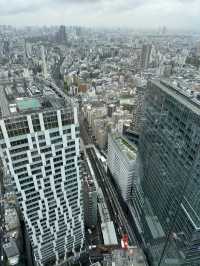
x: 122, y: 163
x: 40, y: 150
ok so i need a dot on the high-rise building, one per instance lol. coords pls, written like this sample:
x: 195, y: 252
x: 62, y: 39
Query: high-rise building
x: 61, y: 34
x: 28, y: 49
x: 138, y: 110
x: 169, y: 147
x: 132, y: 131
x: 39, y: 145
x: 90, y: 202
x: 6, y: 47
x: 89, y: 192
x: 44, y: 64
x: 122, y: 163
x: 145, y: 56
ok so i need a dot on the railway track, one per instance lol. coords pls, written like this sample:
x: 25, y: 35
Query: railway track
x: 121, y: 222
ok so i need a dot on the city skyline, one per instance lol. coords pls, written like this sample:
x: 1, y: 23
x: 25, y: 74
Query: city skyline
x: 99, y: 134
x: 145, y: 14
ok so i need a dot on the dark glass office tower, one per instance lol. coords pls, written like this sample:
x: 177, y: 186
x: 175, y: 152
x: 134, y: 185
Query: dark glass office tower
x: 170, y: 151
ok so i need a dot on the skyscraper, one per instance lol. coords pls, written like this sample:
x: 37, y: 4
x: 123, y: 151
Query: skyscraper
x: 39, y: 145
x: 145, y: 55
x: 169, y: 147
x: 90, y: 202
x: 138, y: 110
x: 44, y: 64
x: 61, y: 35
x: 6, y: 47
x: 132, y: 131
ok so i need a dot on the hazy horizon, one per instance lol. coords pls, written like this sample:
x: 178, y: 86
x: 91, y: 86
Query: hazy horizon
x: 136, y: 14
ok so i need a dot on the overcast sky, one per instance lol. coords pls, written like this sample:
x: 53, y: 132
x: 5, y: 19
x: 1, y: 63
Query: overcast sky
x: 176, y: 14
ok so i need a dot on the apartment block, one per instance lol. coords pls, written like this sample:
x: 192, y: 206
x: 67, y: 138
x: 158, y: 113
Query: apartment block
x: 39, y: 145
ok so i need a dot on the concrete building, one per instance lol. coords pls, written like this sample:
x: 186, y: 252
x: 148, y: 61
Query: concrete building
x: 169, y: 148
x: 145, y: 55
x: 12, y: 252
x: 120, y: 114
x: 109, y: 234
x: 107, y: 225
x: 102, y: 138
x: 132, y: 130
x: 11, y: 219
x: 122, y: 163
x: 100, y: 131
x: 111, y: 108
x: 90, y: 202
x: 138, y: 111
x: 120, y: 257
x: 44, y: 65
x: 39, y: 146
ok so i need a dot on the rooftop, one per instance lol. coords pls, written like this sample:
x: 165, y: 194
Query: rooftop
x: 89, y: 183
x: 28, y: 103
x: 127, y: 100
x: 109, y: 234
x: 188, y: 96
x: 23, y: 96
x: 11, y: 249
x: 128, y: 149
x: 120, y: 257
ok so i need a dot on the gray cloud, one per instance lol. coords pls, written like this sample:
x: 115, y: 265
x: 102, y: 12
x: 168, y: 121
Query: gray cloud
x: 137, y: 13
x: 23, y: 6
x: 20, y: 6
x: 77, y: 1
